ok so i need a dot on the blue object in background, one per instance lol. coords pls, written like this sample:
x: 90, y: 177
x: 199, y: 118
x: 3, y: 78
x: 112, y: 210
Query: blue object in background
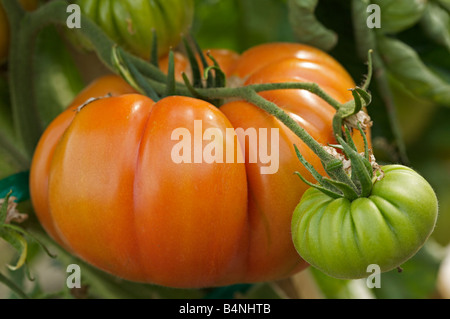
x: 18, y: 184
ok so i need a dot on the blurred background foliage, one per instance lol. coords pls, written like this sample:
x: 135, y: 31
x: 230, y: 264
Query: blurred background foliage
x: 411, y: 110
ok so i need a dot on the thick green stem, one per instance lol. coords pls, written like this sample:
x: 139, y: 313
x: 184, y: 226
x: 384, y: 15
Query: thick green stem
x: 223, y: 93
x: 11, y: 285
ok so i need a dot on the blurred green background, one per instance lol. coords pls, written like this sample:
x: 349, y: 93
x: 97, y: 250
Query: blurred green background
x: 410, y: 108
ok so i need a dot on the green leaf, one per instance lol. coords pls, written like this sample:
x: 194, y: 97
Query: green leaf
x: 436, y: 24
x: 365, y: 37
x: 307, y: 28
x: 247, y: 23
x: 399, y: 15
x: 56, y: 78
x: 445, y: 4
x: 405, y: 65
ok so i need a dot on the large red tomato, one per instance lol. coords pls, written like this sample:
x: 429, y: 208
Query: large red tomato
x: 104, y: 182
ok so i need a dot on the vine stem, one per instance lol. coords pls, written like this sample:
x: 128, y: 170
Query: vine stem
x: 11, y: 285
x: 221, y: 93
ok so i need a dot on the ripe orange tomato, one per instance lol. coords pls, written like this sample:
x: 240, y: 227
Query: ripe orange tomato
x: 105, y: 185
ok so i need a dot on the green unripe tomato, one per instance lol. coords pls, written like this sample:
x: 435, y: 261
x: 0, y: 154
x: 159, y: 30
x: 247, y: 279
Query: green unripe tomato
x: 130, y: 23
x: 342, y: 238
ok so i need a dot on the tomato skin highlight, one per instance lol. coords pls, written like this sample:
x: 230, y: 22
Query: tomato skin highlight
x: 343, y: 238
x: 137, y: 214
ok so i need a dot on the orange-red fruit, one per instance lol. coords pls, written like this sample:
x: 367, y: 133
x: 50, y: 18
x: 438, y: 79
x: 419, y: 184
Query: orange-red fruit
x: 105, y: 186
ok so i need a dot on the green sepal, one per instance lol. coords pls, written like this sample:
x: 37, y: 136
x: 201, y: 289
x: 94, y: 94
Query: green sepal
x: 220, y: 79
x: 195, y: 68
x: 324, y: 190
x: 130, y: 73
x: 28, y: 234
x: 359, y: 168
x: 18, y: 242
x: 337, y: 125
x: 191, y: 88
x: 349, y: 139
x: 210, y: 80
x: 365, y: 96
x: 319, y: 178
x: 366, y: 144
x: 348, y: 191
x: 332, y: 166
x: 358, y: 104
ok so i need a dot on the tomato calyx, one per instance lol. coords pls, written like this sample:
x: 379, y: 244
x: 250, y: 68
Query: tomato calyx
x: 361, y: 169
x: 351, y: 114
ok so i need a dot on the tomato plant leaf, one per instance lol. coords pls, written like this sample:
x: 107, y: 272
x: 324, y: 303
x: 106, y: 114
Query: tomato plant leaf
x: 405, y: 64
x: 307, y: 28
x: 436, y: 24
x: 56, y: 77
x: 399, y: 15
